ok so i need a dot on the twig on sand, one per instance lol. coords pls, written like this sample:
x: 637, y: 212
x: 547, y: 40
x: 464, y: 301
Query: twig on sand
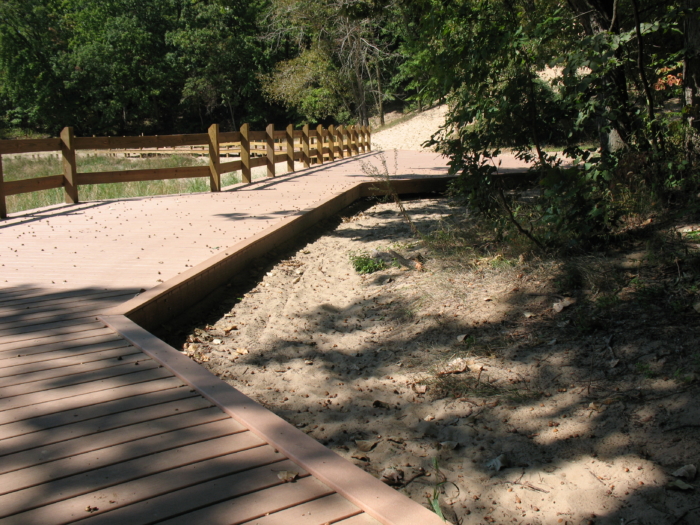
x: 525, y: 484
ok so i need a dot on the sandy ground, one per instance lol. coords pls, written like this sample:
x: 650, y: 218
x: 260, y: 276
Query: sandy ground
x: 467, y: 367
x: 411, y: 134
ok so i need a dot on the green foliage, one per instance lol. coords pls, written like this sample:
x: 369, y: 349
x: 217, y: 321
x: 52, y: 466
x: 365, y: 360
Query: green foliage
x: 128, y: 66
x: 311, y: 84
x: 434, y: 499
x: 501, y: 100
x: 364, y: 264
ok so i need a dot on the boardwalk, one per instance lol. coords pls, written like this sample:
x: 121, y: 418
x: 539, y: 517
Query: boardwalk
x: 102, y: 422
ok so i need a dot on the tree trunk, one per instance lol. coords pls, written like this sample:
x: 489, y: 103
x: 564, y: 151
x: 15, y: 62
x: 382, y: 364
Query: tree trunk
x: 380, y: 97
x: 691, y: 75
x: 600, y: 16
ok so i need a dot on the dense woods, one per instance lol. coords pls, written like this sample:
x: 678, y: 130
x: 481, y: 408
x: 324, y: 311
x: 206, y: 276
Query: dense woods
x: 611, y: 85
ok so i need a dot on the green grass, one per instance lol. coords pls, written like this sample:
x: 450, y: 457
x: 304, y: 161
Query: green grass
x: 606, y: 302
x: 645, y: 370
x: 19, y: 168
x: 364, y: 264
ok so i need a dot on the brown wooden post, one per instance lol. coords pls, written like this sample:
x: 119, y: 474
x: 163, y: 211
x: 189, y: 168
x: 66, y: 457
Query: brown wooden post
x: 305, y: 145
x: 351, y: 150
x: 319, y: 144
x: 214, y: 160
x: 270, y: 140
x: 341, y: 141
x: 361, y: 139
x: 354, y: 139
x: 70, y: 170
x: 348, y: 137
x: 369, y: 138
x: 290, y: 148
x: 3, y: 205
x: 331, y: 142
x: 245, y: 153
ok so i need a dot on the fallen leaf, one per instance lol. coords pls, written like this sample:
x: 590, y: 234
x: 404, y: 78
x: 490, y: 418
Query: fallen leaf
x: 461, y: 338
x: 242, y: 351
x: 216, y: 342
x: 487, y: 299
x: 365, y: 445
x: 497, y: 463
x: 392, y: 476
x: 420, y: 389
x: 680, y: 485
x: 361, y: 457
x: 528, y: 315
x: 564, y: 303
x: 449, y: 445
x: 287, y: 476
x: 456, y: 366
x: 686, y: 472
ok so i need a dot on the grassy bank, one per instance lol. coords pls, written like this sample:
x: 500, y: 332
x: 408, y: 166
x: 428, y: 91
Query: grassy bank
x: 19, y: 168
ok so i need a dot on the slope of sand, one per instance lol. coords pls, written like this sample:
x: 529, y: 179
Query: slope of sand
x: 411, y: 134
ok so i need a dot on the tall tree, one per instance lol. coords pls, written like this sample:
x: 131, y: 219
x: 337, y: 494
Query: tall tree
x: 691, y: 72
x: 344, y: 37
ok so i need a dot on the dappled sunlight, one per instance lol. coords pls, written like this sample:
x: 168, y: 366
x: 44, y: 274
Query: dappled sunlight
x: 465, y: 362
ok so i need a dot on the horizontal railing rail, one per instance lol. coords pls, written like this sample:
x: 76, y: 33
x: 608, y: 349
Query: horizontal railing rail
x: 253, y: 149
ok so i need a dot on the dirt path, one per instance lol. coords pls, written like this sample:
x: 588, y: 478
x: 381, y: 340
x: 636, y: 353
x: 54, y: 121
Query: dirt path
x: 529, y: 418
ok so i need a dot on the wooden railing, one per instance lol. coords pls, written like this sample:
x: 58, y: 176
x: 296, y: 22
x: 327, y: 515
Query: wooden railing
x: 254, y: 148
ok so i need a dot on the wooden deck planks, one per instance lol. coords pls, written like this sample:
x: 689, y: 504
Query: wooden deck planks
x: 210, y: 445
x: 76, y: 403
x: 40, y: 388
x: 74, y: 447
x: 255, y: 506
x: 135, y: 375
x: 41, y: 359
x: 68, y: 366
x: 60, y: 340
x: 136, y: 501
x: 165, y: 408
x: 117, y: 412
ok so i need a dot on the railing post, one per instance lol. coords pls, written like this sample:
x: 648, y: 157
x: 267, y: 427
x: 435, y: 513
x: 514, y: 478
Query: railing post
x: 348, y: 136
x: 341, y: 142
x: 331, y: 143
x: 3, y: 205
x: 361, y: 139
x: 214, y: 160
x: 270, y: 143
x: 305, y: 145
x: 319, y: 144
x: 70, y: 182
x: 290, y: 148
x: 369, y: 138
x: 353, y: 140
x: 245, y: 153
